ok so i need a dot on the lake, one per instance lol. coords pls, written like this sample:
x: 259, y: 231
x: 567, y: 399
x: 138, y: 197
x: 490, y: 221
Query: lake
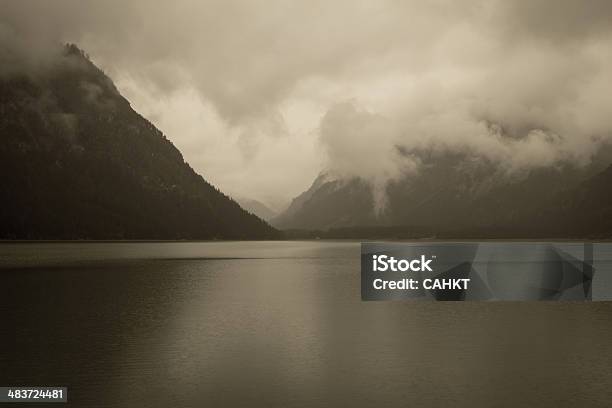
x: 278, y: 324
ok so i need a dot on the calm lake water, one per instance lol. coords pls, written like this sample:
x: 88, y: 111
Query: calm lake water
x: 278, y: 324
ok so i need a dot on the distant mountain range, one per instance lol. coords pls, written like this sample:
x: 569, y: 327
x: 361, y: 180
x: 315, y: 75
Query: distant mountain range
x: 77, y: 162
x: 257, y: 207
x: 462, y: 197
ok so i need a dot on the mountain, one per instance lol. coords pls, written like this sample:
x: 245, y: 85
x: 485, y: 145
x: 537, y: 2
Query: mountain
x: 584, y: 210
x: 77, y: 162
x: 329, y: 203
x: 461, y: 196
x: 256, y: 207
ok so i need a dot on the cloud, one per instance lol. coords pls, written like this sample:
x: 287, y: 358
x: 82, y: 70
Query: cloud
x: 365, y: 145
x: 255, y: 94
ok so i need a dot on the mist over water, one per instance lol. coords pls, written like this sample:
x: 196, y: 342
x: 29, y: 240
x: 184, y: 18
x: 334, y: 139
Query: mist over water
x: 278, y: 324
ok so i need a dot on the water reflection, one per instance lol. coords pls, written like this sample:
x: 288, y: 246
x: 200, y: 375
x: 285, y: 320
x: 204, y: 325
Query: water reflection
x: 288, y: 330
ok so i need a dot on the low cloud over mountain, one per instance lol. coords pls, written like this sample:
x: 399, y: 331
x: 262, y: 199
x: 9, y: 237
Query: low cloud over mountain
x: 355, y: 89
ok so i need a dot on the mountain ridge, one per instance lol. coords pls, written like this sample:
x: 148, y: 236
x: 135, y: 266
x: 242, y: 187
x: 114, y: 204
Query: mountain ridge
x: 257, y: 208
x: 460, y: 196
x: 79, y: 163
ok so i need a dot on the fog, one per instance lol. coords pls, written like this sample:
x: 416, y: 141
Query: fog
x: 262, y: 96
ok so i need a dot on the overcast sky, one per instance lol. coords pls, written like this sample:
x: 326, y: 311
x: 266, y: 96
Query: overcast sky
x: 261, y: 96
